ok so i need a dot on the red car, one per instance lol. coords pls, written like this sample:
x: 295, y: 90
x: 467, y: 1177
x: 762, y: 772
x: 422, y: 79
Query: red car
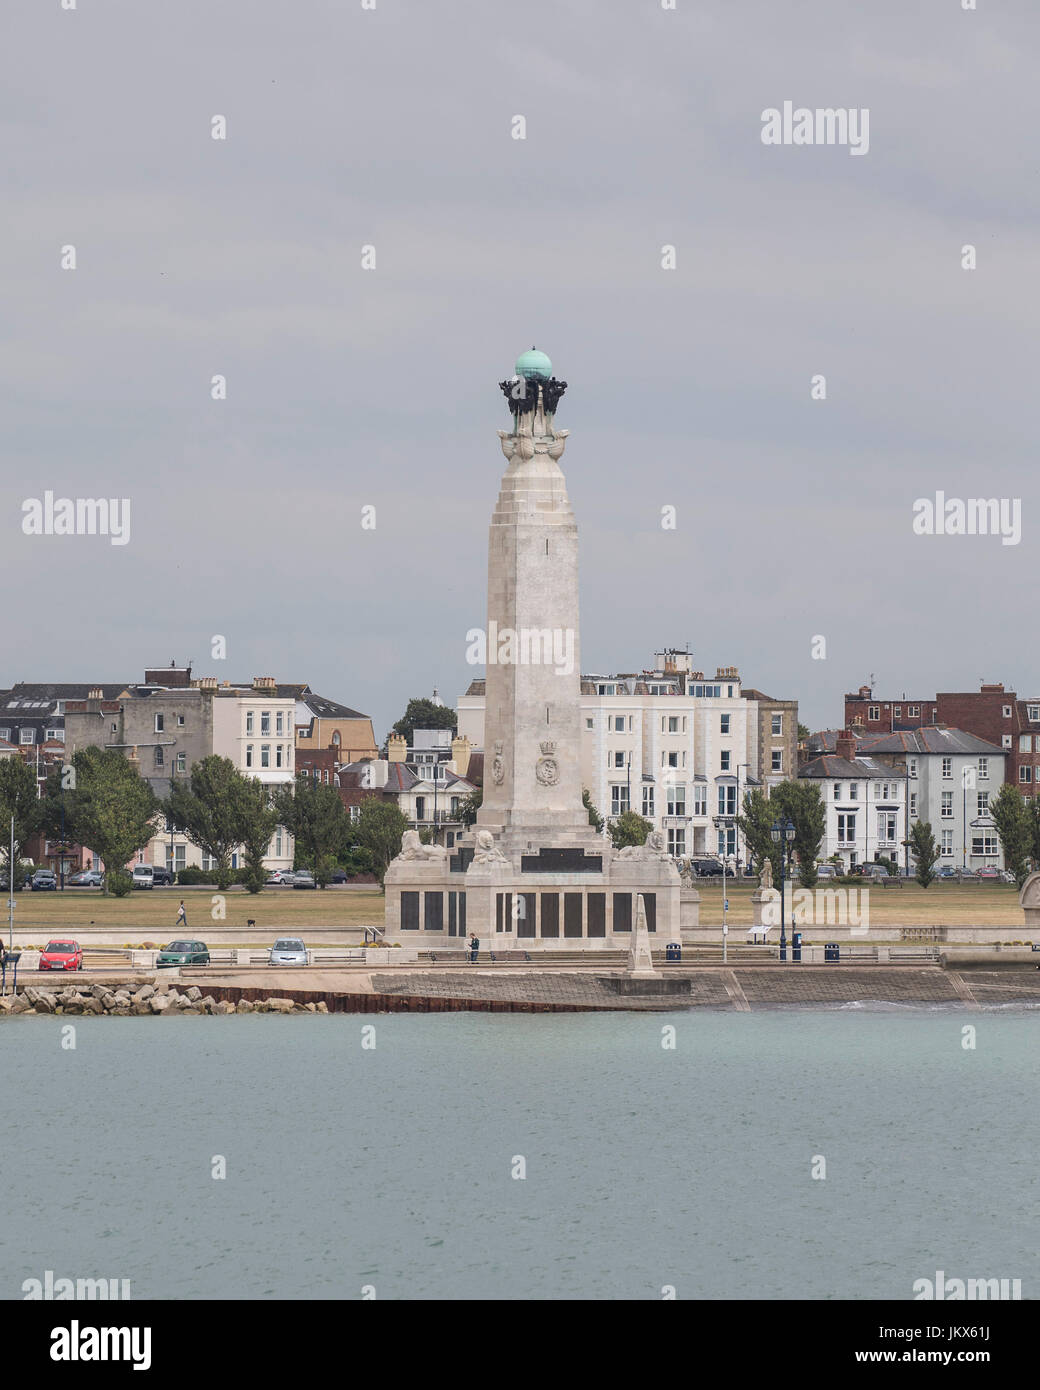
x: 61, y: 955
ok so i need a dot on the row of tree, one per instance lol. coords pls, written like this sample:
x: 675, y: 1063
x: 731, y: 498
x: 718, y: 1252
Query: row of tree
x: 100, y: 801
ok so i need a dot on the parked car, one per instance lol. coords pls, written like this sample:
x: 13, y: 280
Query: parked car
x: 280, y: 878
x: 827, y: 871
x: 989, y: 871
x: 338, y: 876
x: 22, y: 881
x: 183, y: 953
x: 704, y: 868
x: 303, y: 879
x: 947, y: 871
x: 161, y: 877
x: 143, y: 876
x: 45, y: 881
x: 874, y: 871
x: 61, y: 955
x: 86, y: 878
x: 967, y: 875
x: 288, y: 950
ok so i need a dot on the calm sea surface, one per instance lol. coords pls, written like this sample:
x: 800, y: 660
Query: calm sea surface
x: 645, y: 1167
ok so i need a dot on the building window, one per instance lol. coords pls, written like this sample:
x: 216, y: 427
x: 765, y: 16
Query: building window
x: 778, y: 760
x: 159, y: 719
x: 913, y: 805
x: 946, y: 843
x: 249, y: 755
x: 677, y: 842
x: 1005, y: 740
x: 897, y: 711
x: 677, y: 801
x: 673, y: 724
x: 672, y: 759
x: 874, y: 712
x: 182, y: 762
x: 265, y: 721
x: 724, y: 758
x: 5, y: 734
x: 984, y: 769
x: 911, y: 767
x: 249, y: 721
x: 846, y: 828
x: 619, y: 723
x: 619, y: 802
x: 265, y: 755
x: 27, y: 736
x: 886, y: 827
x: 1006, y: 711
x: 619, y: 760
x: 727, y: 801
x: 1032, y: 712
x: 727, y: 841
x: 947, y: 805
x: 58, y: 735
x: 700, y: 799
x: 420, y: 808
x: 913, y: 711
x: 988, y: 845
x: 777, y: 725
x: 590, y: 723
x: 158, y: 757
x: 1025, y: 774
x: 278, y: 759
x: 648, y: 802
x: 278, y: 722
x: 947, y: 767
x: 982, y: 803
x: 837, y: 791
x: 723, y: 723
x: 853, y: 791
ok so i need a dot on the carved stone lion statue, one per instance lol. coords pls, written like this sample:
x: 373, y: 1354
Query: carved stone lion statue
x: 654, y: 848
x: 487, y: 852
x: 413, y: 848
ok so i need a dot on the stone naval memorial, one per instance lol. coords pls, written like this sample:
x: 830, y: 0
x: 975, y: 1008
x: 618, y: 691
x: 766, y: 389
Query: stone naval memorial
x: 533, y: 874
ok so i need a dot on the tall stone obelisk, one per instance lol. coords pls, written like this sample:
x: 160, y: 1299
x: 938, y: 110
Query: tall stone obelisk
x: 532, y: 776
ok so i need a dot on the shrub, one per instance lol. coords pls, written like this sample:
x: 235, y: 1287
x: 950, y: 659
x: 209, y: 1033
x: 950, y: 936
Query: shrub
x: 119, y: 882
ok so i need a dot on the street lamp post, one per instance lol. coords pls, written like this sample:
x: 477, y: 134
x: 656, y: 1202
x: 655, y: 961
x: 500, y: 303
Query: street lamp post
x: 724, y: 822
x: 782, y: 832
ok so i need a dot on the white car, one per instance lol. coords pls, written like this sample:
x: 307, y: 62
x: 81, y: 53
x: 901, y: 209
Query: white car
x: 142, y: 876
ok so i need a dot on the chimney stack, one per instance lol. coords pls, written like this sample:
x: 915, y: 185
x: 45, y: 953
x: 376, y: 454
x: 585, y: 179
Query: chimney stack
x: 845, y: 745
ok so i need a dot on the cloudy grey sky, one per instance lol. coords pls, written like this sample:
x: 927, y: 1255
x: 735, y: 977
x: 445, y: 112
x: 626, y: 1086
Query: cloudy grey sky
x: 349, y: 387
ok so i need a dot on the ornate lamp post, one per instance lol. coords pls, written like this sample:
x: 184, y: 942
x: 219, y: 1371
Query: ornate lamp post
x: 782, y: 832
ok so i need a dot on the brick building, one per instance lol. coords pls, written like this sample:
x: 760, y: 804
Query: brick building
x: 991, y: 713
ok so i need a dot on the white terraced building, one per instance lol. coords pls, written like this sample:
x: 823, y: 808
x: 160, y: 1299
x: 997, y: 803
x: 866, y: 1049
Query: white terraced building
x: 674, y: 746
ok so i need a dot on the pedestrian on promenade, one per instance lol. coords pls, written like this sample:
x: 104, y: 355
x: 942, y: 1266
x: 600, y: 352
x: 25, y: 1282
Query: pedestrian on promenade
x: 182, y: 916
x: 474, y: 947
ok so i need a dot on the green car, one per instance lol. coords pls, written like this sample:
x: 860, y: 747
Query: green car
x: 184, y: 953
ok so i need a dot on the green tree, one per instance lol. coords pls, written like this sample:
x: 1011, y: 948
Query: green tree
x: 801, y: 802
x: 18, y: 798
x: 216, y: 807
x: 109, y: 808
x: 924, y: 849
x: 759, y: 815
x: 259, y: 822
x: 1014, y: 822
x: 803, y: 733
x: 378, y: 829
x: 595, y: 819
x: 470, y: 805
x: 1032, y: 805
x: 422, y: 713
x: 315, y: 816
x: 629, y: 829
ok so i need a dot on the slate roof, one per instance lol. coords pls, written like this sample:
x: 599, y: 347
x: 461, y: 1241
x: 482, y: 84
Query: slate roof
x: 829, y: 765
x: 931, y: 739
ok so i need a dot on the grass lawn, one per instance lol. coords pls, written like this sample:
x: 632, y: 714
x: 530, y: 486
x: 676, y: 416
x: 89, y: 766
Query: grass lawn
x: 151, y: 914
x: 939, y: 905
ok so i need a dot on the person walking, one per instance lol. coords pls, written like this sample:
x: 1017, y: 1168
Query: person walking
x: 474, y: 947
x: 182, y: 916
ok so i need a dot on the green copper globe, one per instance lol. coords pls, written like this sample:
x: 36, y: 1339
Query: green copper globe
x: 534, y: 366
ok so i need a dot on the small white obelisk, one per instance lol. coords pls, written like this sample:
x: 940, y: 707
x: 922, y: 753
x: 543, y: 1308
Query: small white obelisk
x: 640, y: 961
